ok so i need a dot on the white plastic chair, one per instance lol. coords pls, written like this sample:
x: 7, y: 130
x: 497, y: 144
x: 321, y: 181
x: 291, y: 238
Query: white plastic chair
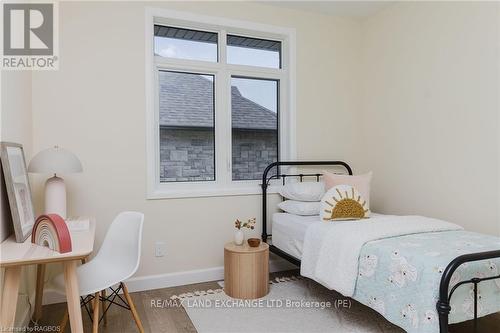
x: 117, y: 260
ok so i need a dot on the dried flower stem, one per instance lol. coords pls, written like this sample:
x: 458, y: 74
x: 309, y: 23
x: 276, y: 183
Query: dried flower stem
x: 250, y: 224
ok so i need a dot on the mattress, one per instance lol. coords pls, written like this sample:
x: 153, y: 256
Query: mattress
x: 289, y: 231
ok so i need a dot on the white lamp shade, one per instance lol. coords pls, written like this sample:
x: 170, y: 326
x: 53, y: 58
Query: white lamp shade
x: 55, y: 160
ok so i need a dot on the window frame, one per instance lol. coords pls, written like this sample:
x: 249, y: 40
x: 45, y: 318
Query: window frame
x: 223, y: 184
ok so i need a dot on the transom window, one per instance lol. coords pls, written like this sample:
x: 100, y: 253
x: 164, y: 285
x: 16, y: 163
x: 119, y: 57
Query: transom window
x: 171, y: 42
x: 253, y: 51
x: 220, y: 105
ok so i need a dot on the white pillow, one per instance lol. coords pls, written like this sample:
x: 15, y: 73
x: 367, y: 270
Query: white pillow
x: 306, y: 191
x: 304, y: 208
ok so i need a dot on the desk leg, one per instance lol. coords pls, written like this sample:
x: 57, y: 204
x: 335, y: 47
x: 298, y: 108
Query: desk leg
x: 9, y: 296
x: 73, y: 296
x: 40, y: 279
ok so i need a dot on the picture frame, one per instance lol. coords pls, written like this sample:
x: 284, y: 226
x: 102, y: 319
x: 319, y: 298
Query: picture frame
x: 18, y: 189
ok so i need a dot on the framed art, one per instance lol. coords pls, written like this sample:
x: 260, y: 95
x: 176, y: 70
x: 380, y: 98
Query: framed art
x: 18, y: 189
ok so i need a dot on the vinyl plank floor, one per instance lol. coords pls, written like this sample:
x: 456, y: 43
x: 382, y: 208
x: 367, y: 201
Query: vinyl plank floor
x: 172, y: 319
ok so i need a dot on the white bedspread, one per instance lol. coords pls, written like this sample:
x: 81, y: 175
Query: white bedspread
x: 331, y: 249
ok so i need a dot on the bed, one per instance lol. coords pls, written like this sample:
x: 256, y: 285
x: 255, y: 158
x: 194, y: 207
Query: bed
x: 409, y: 278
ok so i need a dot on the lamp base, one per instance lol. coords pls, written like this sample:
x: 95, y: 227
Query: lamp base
x: 55, y: 196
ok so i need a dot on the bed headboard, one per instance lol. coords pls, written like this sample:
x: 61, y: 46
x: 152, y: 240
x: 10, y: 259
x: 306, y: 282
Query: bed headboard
x: 266, y: 179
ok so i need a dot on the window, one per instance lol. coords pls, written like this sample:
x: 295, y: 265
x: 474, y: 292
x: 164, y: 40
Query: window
x: 253, y: 51
x: 179, y: 43
x: 220, y: 104
x: 254, y: 122
x: 187, y: 138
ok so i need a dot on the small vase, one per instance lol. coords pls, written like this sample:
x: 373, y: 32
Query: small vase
x: 239, y: 237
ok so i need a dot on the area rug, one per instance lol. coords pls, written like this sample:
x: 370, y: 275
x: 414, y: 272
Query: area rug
x: 292, y: 305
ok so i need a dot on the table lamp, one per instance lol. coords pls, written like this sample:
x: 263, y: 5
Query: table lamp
x: 55, y: 161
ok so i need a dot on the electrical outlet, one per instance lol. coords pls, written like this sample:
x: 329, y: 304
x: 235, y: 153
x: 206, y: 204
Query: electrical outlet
x: 160, y: 249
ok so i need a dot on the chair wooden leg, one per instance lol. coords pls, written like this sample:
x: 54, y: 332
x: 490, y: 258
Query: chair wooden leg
x: 95, y: 314
x: 64, y: 322
x: 132, y: 308
x: 103, y: 303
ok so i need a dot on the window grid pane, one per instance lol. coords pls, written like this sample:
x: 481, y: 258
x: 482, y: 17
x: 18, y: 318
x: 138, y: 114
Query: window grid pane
x: 254, y: 119
x: 253, y: 51
x: 187, y: 127
x: 171, y: 42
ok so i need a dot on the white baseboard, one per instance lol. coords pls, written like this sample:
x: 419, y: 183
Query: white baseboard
x: 50, y: 296
x: 158, y: 281
x: 150, y: 282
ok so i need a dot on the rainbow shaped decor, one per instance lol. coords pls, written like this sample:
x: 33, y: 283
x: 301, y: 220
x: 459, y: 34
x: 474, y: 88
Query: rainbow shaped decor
x: 51, y: 231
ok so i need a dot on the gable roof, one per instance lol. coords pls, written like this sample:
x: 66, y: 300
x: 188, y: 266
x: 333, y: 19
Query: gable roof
x: 179, y: 107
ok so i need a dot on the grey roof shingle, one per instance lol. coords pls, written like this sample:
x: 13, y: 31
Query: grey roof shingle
x: 181, y: 107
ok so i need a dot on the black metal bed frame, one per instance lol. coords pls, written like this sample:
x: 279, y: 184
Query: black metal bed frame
x: 443, y: 304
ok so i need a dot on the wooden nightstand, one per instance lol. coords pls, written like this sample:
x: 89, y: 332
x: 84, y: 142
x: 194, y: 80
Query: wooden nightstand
x: 246, y: 270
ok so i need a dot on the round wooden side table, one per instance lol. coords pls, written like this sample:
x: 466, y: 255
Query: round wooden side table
x: 246, y: 270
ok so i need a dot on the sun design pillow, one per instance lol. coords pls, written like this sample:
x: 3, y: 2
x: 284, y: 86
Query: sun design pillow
x: 343, y: 202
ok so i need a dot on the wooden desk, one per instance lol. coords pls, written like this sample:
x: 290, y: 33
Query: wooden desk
x: 15, y: 255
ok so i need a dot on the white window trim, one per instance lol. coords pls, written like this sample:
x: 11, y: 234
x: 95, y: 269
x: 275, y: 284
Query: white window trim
x: 222, y: 186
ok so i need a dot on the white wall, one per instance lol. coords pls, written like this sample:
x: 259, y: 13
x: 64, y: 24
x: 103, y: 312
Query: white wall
x: 16, y: 117
x: 430, y: 111
x: 16, y: 126
x: 95, y: 106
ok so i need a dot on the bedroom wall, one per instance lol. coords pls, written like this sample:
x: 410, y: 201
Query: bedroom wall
x: 16, y: 126
x: 430, y: 111
x: 95, y: 106
x: 16, y: 116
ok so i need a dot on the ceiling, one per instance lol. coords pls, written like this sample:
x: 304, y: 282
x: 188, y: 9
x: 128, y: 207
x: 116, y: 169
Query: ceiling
x: 351, y: 8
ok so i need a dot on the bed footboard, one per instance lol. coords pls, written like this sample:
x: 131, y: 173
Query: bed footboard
x: 443, y: 304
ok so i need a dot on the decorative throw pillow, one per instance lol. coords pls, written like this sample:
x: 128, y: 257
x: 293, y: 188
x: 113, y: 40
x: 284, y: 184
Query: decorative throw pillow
x: 343, y: 202
x: 360, y: 182
x: 303, y: 191
x: 304, y: 208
